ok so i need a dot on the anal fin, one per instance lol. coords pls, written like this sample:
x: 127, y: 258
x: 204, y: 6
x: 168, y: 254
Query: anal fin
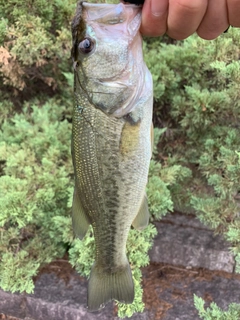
x: 142, y: 218
x: 80, y: 220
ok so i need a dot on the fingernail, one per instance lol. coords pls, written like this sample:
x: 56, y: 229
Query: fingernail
x: 159, y: 7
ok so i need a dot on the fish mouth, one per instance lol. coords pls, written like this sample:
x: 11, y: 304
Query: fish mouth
x: 108, y: 13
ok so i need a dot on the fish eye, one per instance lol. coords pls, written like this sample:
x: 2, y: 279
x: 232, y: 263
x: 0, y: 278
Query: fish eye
x: 86, y: 45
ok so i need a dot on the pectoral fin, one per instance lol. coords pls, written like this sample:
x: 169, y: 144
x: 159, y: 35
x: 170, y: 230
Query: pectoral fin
x: 129, y: 138
x: 80, y: 220
x: 141, y: 220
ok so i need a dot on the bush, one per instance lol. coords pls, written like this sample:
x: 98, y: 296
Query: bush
x: 198, y: 104
x: 214, y: 312
x: 35, y: 44
x: 34, y: 183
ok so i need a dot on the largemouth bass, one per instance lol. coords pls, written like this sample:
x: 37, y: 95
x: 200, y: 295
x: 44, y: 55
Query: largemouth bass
x: 111, y: 141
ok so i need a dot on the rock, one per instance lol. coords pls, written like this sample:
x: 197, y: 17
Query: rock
x: 53, y: 299
x: 183, y: 240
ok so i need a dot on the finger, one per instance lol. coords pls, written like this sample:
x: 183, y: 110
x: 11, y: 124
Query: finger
x: 234, y: 12
x: 215, y: 20
x: 154, y: 17
x: 184, y: 17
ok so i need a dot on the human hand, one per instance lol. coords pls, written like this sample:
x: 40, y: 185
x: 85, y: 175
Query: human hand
x: 181, y: 18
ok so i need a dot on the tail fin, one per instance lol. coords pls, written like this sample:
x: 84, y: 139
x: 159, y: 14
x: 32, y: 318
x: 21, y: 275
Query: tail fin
x: 104, y: 286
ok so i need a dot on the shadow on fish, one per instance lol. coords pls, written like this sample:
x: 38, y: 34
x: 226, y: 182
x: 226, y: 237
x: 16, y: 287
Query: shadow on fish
x: 111, y: 141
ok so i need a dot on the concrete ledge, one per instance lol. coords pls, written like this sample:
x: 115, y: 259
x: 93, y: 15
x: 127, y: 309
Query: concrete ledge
x: 53, y: 299
x: 183, y: 240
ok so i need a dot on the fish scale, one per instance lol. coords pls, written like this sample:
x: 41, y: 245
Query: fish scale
x: 96, y: 167
x: 111, y: 141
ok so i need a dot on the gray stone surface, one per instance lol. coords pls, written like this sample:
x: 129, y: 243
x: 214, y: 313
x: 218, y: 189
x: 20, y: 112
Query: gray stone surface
x: 53, y: 299
x: 222, y: 291
x: 183, y: 240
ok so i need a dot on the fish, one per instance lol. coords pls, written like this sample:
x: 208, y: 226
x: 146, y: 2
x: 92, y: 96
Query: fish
x: 111, y: 141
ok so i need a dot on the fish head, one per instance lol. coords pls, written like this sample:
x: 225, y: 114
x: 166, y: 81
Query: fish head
x: 107, y: 50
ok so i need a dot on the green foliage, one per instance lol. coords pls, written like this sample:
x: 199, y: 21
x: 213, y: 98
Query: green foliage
x: 214, y: 312
x: 162, y: 179
x: 34, y: 176
x: 159, y: 197
x: 17, y: 271
x: 35, y: 44
x: 197, y: 101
